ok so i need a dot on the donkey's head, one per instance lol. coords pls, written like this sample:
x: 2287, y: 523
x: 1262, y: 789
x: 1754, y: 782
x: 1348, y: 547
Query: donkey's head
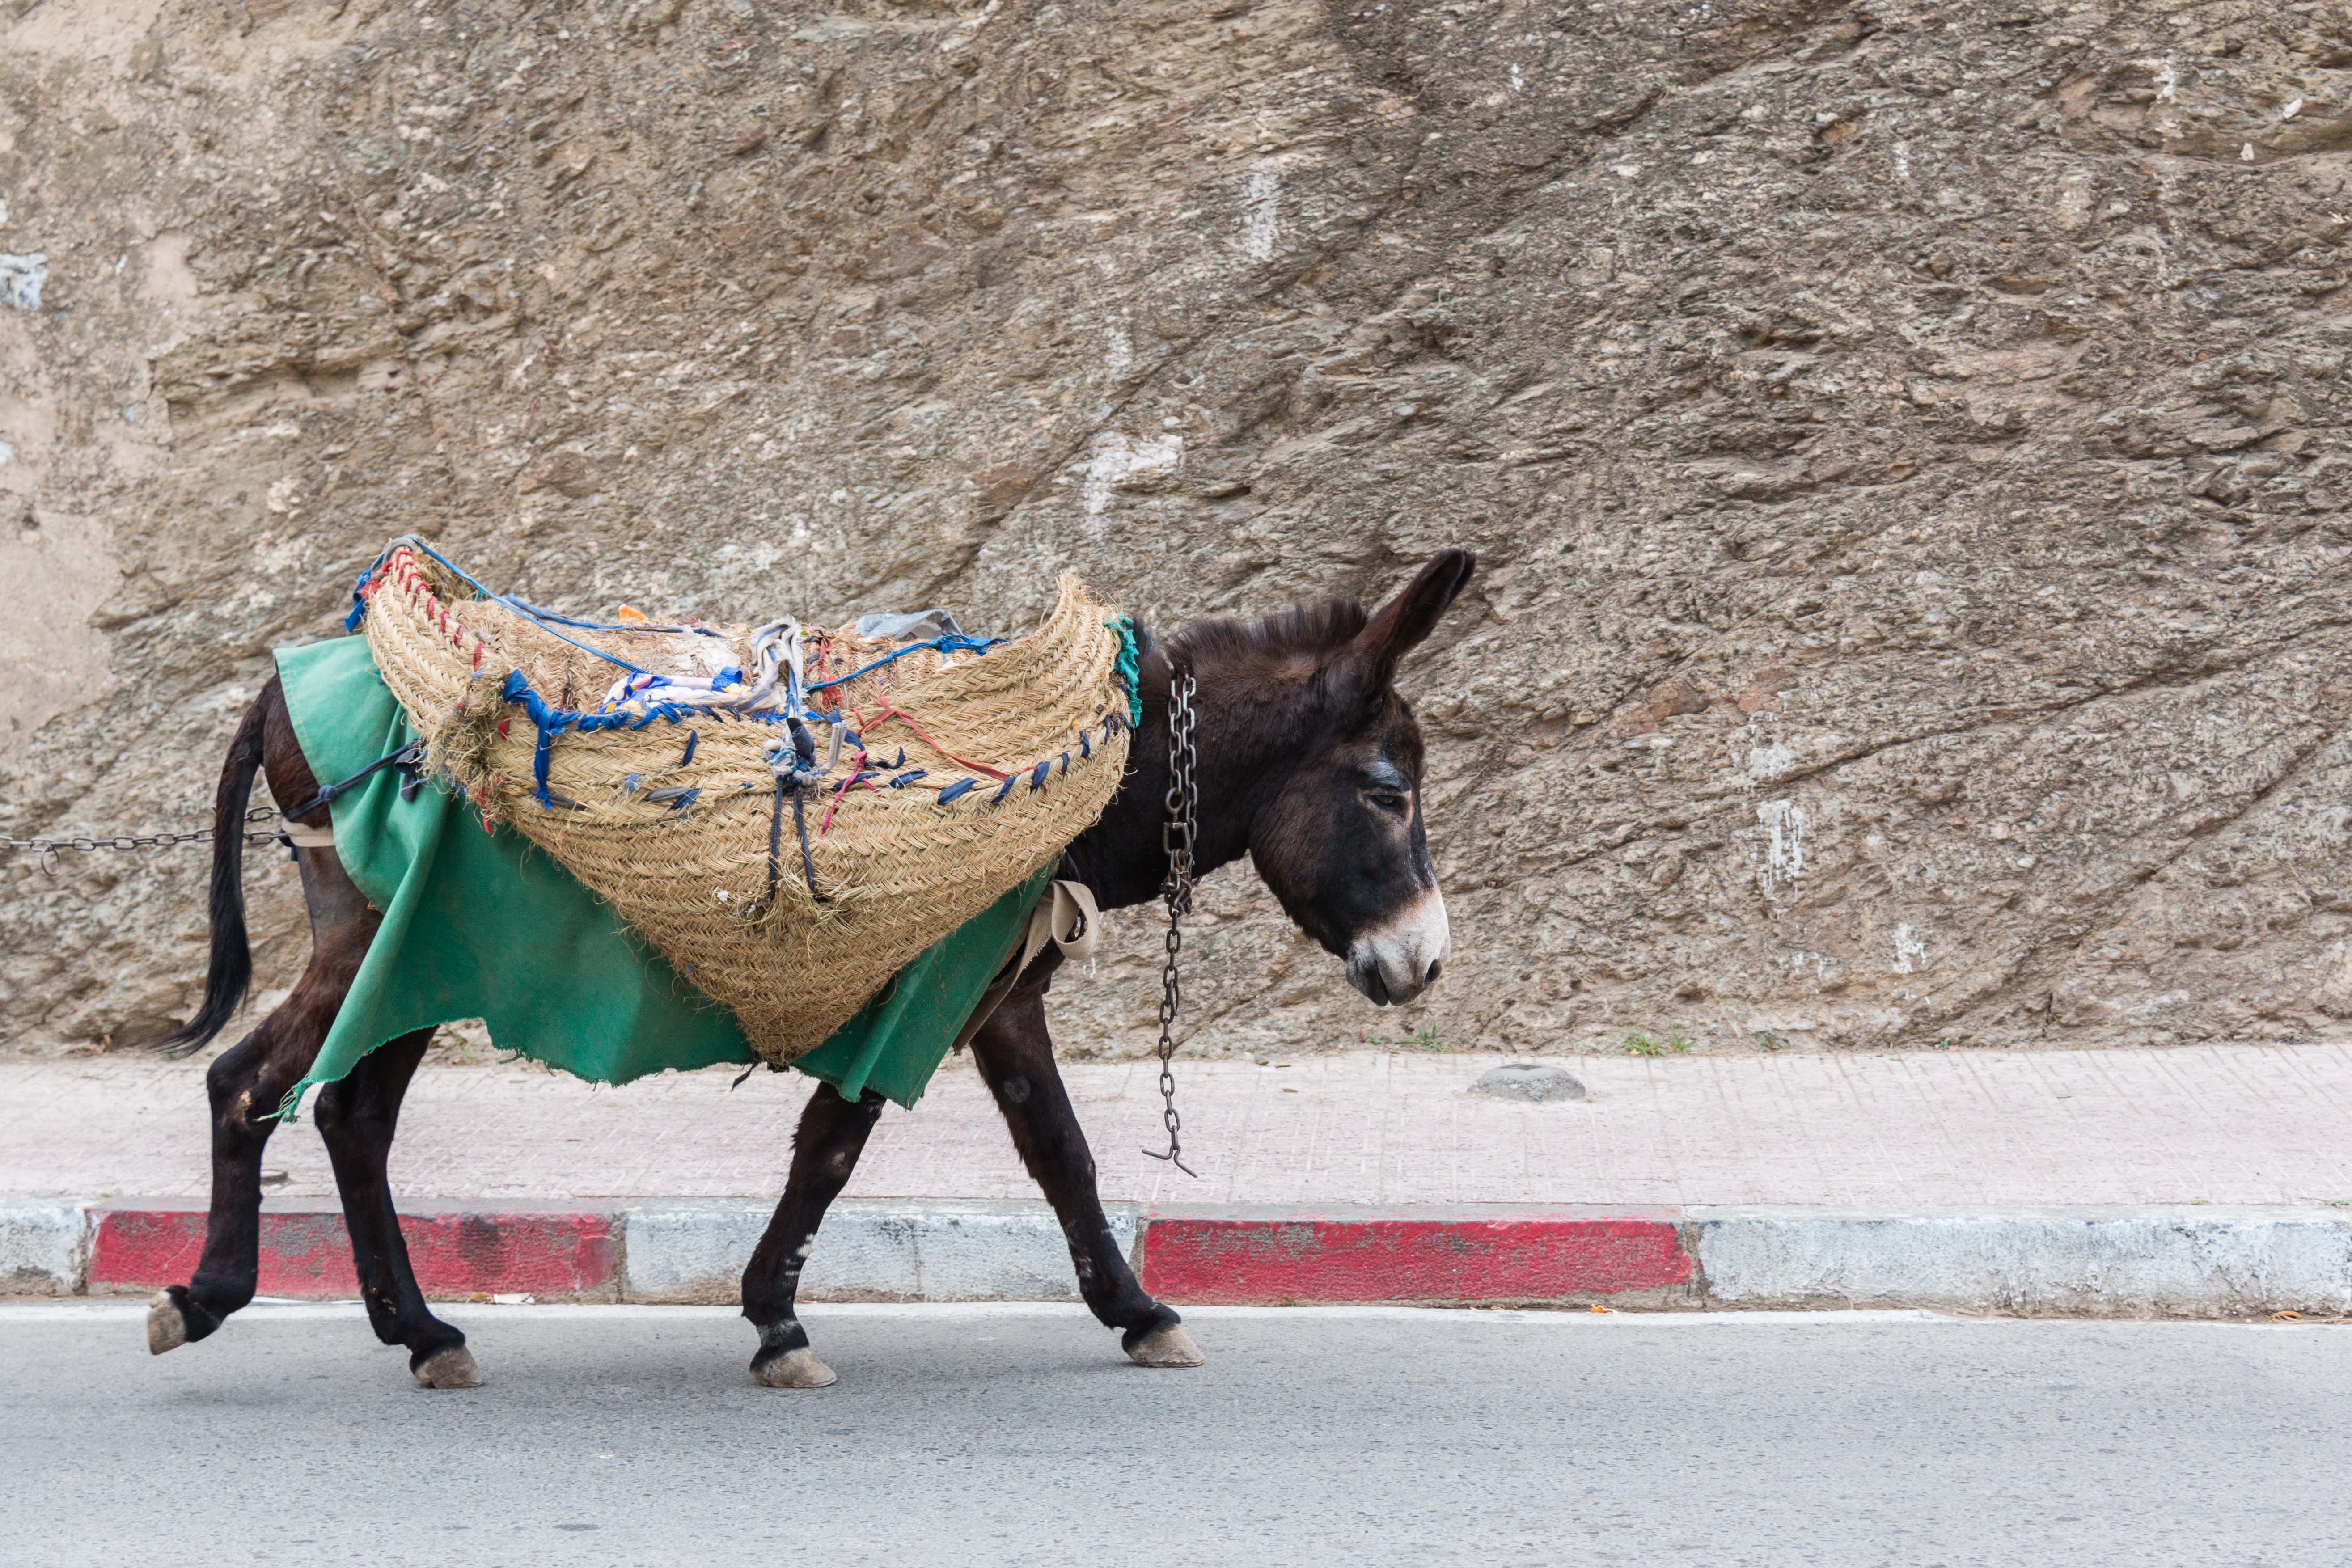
x: 1334, y: 820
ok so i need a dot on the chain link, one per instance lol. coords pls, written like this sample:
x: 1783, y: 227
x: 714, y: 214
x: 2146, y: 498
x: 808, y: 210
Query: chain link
x: 1176, y: 835
x: 46, y: 849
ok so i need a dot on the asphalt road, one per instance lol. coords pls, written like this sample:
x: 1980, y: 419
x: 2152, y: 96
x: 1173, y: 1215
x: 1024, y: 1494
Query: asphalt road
x: 962, y: 1436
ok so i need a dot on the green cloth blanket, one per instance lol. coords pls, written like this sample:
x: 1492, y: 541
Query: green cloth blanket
x: 485, y: 925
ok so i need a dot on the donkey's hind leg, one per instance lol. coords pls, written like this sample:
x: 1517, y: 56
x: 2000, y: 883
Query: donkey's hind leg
x: 832, y: 1134
x: 246, y: 1084
x: 1016, y: 1055
x: 357, y: 1116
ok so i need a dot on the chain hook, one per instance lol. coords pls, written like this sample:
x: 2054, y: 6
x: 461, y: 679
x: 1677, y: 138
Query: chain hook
x: 1178, y: 832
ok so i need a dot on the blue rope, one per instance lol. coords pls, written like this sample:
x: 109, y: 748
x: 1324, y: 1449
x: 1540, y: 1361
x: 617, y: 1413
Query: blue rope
x: 540, y: 613
x: 588, y: 723
x: 352, y: 622
x: 954, y: 642
x: 545, y: 720
x: 549, y: 721
x: 359, y: 586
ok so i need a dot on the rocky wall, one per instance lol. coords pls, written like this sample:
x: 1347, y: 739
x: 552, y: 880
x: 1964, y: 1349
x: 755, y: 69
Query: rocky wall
x: 1905, y: 444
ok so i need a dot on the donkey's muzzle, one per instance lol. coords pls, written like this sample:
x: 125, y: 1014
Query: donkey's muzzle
x: 1400, y: 959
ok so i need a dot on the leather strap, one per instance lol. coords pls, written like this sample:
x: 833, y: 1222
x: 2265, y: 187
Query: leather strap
x: 302, y: 837
x: 1067, y: 917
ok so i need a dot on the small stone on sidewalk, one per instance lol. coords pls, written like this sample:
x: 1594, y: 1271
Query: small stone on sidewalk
x: 1528, y: 1080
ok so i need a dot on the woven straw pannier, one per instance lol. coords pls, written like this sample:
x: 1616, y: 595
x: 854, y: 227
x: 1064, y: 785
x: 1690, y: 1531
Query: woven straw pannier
x: 679, y: 823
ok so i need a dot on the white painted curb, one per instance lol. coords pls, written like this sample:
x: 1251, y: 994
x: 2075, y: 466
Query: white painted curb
x: 2168, y: 1260
x: 44, y: 1246
x: 873, y: 1249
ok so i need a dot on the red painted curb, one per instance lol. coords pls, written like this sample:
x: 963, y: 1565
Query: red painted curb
x: 1216, y: 1259
x: 560, y: 1252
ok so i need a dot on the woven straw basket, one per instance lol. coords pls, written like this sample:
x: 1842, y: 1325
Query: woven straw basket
x: 715, y: 880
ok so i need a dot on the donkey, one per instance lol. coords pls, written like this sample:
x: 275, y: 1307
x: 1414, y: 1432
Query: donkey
x: 1308, y: 762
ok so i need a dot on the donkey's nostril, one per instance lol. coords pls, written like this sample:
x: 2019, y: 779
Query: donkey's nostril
x: 1436, y: 968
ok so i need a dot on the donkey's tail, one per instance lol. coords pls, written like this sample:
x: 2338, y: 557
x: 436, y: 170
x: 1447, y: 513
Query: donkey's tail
x: 231, y: 970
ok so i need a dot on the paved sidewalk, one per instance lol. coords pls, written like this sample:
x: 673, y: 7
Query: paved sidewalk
x: 2225, y: 1124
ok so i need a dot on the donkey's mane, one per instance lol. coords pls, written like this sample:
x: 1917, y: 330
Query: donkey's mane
x: 1302, y: 629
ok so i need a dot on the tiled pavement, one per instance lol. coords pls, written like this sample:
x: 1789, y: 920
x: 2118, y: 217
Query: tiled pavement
x: 2240, y: 1123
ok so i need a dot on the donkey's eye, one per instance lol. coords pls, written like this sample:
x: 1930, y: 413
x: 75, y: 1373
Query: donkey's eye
x: 1389, y: 800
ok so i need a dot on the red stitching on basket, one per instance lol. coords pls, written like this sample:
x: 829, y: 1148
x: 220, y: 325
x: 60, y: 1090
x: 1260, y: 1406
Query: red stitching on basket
x: 402, y: 567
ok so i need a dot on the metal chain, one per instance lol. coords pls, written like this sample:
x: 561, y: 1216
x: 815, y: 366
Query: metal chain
x: 1176, y: 835
x: 47, y: 848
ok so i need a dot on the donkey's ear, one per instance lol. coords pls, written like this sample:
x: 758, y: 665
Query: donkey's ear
x: 1400, y: 625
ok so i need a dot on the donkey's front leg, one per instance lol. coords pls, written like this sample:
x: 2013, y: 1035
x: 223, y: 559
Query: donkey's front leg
x: 1016, y: 1057
x: 832, y: 1135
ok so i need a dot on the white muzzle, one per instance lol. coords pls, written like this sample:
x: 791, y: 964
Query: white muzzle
x: 1398, y: 960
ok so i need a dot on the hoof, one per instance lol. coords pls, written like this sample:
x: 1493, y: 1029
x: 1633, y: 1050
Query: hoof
x: 166, y: 1329
x: 451, y: 1367
x: 795, y: 1369
x: 1171, y: 1346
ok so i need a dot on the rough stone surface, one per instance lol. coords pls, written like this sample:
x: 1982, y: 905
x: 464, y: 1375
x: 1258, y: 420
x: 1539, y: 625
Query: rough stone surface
x: 1528, y: 1080
x: 1904, y: 442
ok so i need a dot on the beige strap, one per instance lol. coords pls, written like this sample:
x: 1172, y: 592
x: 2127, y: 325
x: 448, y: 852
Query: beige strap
x: 1067, y: 917
x: 303, y: 837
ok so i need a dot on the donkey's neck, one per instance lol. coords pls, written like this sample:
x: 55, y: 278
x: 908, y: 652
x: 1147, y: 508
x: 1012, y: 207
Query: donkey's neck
x: 1122, y: 856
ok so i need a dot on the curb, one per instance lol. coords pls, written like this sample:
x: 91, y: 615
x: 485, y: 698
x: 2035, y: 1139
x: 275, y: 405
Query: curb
x: 44, y: 1246
x: 2194, y: 1260
x: 868, y: 1250
x: 566, y: 1252
x: 1272, y: 1255
x: 2185, y: 1260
